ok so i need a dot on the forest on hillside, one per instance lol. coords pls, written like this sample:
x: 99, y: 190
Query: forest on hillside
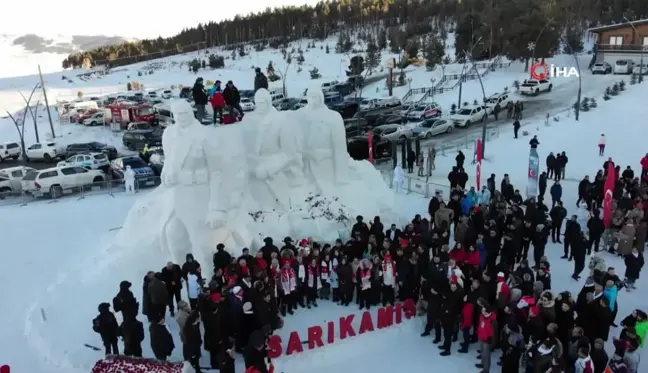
x: 518, y: 29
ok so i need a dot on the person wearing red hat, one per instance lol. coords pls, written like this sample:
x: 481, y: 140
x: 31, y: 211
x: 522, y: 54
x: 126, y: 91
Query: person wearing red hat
x: 388, y: 275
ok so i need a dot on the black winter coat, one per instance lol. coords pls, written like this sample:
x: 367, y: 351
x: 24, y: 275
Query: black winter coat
x: 633, y: 266
x: 172, y: 277
x: 260, y: 81
x: 125, y: 303
x: 133, y: 333
x: 106, y: 325
x: 199, y: 95
x: 255, y: 358
x: 451, y: 308
x: 161, y: 340
x: 192, y: 339
x: 231, y: 96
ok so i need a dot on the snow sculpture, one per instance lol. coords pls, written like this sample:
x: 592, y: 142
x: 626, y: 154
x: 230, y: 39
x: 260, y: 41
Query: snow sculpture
x: 274, y: 174
x: 399, y: 179
x: 325, y: 150
x: 276, y: 155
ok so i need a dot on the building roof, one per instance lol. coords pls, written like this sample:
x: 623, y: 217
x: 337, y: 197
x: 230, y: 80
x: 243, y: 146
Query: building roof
x: 636, y: 23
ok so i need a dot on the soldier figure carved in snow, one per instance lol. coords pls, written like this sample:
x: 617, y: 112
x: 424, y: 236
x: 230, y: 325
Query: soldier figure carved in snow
x: 276, y: 158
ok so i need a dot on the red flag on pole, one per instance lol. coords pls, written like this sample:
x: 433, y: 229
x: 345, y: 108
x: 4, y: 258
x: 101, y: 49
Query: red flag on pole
x: 480, y: 157
x: 610, y: 182
x: 370, y: 140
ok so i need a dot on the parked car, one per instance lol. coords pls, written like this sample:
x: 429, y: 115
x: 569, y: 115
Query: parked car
x: 358, y: 148
x: 424, y: 111
x: 11, y: 178
x: 46, y: 151
x: 468, y: 115
x: 392, y: 132
x: 144, y: 174
x: 92, y: 161
x: 96, y: 119
x: 185, y: 92
x: 9, y: 150
x: 405, y: 109
x: 156, y: 160
x: 501, y: 99
x: 138, y: 139
x: 601, y: 68
x: 328, y: 86
x: 640, y: 69
x: 390, y: 119
x: 86, y: 115
x: 300, y: 104
x: 368, y: 103
x: 287, y: 103
x: 333, y: 98
x: 139, y: 125
x: 389, y: 102
x: 167, y: 94
x: 534, y: 87
x: 344, y: 89
x: 90, y: 147
x: 346, y: 109
x: 247, y: 104
x: 434, y: 126
x: 623, y: 66
x: 56, y: 181
x: 153, y: 94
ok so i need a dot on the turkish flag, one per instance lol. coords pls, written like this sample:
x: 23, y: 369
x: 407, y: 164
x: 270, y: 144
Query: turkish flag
x: 608, y: 199
x: 480, y: 157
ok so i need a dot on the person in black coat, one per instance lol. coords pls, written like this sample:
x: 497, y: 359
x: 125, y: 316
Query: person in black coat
x: 634, y: 262
x: 583, y: 188
x: 132, y: 331
x: 172, y: 277
x: 557, y: 215
x: 147, y: 308
x: 460, y: 159
x: 221, y: 257
x: 125, y: 301
x: 572, y: 229
x: 255, y: 353
x: 450, y: 312
x: 190, y: 266
x: 578, y: 251
x: 516, y: 128
x: 200, y: 98
x: 393, y: 235
x: 551, y: 164
x: 542, y: 184
x: 106, y: 325
x: 161, y: 340
x: 260, y: 80
x: 232, y: 97
x: 192, y: 341
x: 595, y: 228
x: 534, y: 142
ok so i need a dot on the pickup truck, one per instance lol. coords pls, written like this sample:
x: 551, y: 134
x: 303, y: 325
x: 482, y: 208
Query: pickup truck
x: 533, y: 87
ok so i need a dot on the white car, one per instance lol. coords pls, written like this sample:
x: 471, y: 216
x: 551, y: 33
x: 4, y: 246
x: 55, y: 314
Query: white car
x: 601, y: 68
x: 97, y: 119
x: 368, y: 103
x: 11, y: 178
x: 58, y: 180
x: 533, y: 87
x: 389, y: 101
x: 468, y: 115
x: 639, y: 69
x: 434, y: 126
x: 392, y: 132
x: 167, y: 94
x: 328, y: 86
x: 501, y: 99
x: 153, y: 94
x: 247, y: 104
x: 424, y: 111
x: 92, y: 161
x: 44, y: 151
x: 9, y: 150
x: 302, y: 103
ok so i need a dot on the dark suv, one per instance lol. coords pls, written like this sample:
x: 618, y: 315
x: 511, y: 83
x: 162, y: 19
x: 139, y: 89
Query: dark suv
x: 138, y: 139
x: 91, y: 147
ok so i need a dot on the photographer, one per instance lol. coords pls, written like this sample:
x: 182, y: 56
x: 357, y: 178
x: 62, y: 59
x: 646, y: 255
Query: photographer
x: 255, y: 353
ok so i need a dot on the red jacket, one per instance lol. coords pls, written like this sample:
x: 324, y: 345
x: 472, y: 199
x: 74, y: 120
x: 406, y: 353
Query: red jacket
x: 473, y: 258
x: 217, y: 100
x: 486, y: 328
x: 459, y: 255
x: 468, y: 313
x: 228, y: 119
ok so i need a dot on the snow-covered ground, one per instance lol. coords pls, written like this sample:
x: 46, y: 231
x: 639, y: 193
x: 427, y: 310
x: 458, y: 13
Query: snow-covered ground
x: 56, y: 268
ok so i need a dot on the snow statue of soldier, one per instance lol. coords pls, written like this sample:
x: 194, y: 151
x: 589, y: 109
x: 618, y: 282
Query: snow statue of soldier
x: 129, y: 180
x: 275, y: 156
x: 399, y: 179
x: 195, y: 177
x: 326, y: 159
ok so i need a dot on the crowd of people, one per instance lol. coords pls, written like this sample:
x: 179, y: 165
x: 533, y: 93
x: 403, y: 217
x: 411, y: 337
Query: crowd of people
x: 466, y: 266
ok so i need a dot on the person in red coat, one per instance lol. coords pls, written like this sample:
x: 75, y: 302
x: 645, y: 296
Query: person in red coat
x: 468, y: 314
x: 486, y: 334
x: 217, y: 101
x: 644, y: 165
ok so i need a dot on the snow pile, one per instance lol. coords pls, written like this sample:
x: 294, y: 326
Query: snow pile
x: 125, y: 364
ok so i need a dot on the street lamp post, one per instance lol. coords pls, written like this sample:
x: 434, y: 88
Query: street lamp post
x: 481, y: 83
x: 642, y: 48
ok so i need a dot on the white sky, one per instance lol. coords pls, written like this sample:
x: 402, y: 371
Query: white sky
x: 129, y: 18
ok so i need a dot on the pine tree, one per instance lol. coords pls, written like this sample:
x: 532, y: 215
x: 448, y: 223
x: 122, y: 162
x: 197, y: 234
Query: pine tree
x: 607, y: 94
x: 615, y: 89
x: 622, y: 85
x: 300, y: 57
x: 372, y: 59
x: 412, y: 49
x: 203, y: 64
x: 328, y: 50
x: 633, y: 79
x: 433, y: 52
x: 585, y: 104
x: 241, y: 51
x: 381, y: 40
x: 593, y: 103
x: 576, y: 106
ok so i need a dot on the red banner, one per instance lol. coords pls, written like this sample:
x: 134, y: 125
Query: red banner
x: 610, y: 182
x: 480, y: 157
x: 370, y: 140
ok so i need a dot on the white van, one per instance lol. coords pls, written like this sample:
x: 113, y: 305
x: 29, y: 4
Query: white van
x: 277, y: 98
x: 163, y: 114
x: 623, y: 67
x: 87, y: 105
